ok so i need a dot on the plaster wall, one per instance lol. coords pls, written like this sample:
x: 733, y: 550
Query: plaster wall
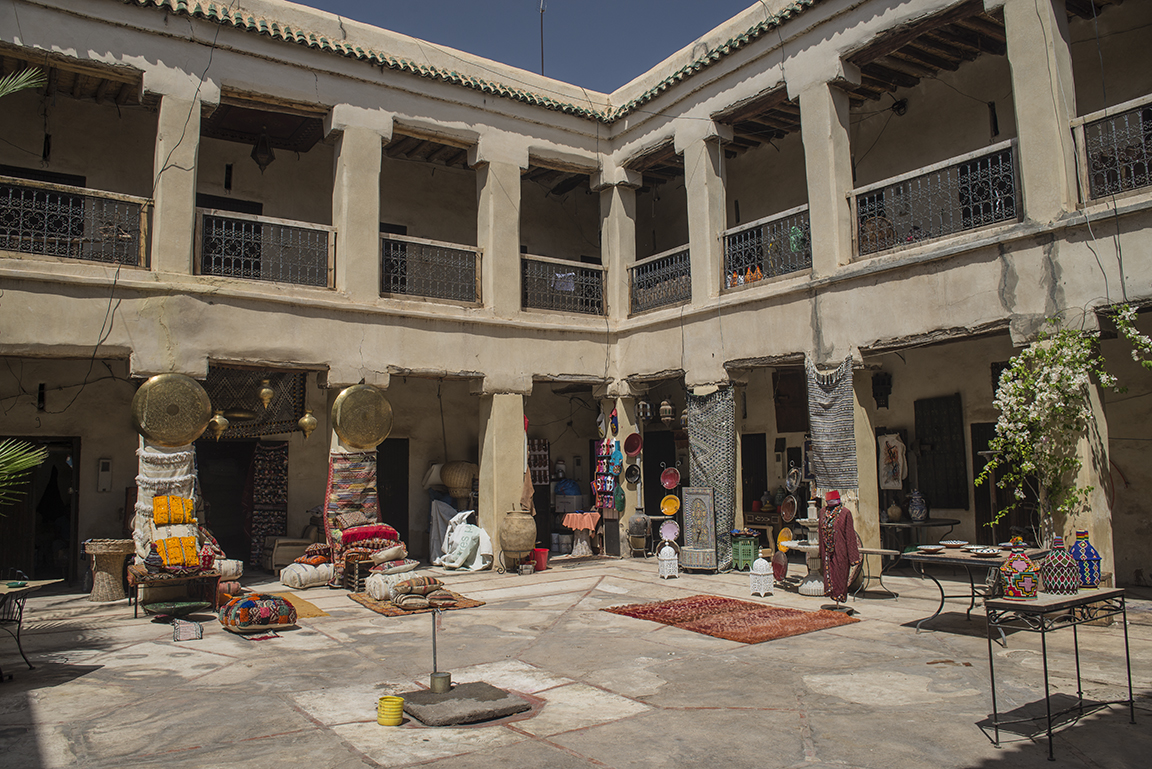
x: 563, y: 227
x: 661, y: 217
x: 88, y: 140
x: 766, y: 180
x: 1123, y: 46
x: 433, y: 201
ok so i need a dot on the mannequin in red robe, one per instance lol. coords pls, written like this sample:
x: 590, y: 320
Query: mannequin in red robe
x: 839, y: 552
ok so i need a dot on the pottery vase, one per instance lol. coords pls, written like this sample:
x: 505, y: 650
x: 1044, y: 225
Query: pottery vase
x: 517, y: 537
x: 917, y: 507
x: 1059, y: 574
x: 1087, y: 560
x: 1020, y: 576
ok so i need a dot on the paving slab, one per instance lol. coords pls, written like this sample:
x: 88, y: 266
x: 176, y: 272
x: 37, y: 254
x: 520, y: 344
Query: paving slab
x: 466, y: 703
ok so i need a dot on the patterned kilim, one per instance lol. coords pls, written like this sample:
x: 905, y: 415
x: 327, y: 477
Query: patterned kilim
x: 712, y: 461
x: 733, y: 620
x: 832, y: 424
x: 269, y: 480
x: 351, y: 486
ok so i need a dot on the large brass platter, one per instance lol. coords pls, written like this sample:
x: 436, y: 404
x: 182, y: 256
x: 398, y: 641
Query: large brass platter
x: 362, y: 416
x: 171, y: 410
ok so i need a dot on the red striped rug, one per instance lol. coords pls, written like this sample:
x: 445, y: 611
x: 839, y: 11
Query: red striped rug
x: 733, y: 620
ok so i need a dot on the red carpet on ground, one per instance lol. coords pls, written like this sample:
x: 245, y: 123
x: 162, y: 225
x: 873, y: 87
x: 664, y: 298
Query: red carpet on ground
x: 733, y: 620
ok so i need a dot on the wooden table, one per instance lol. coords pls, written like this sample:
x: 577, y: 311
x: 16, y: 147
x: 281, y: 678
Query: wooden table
x: 967, y: 561
x: 12, y: 612
x: 1052, y: 612
x: 906, y: 527
x: 205, y: 584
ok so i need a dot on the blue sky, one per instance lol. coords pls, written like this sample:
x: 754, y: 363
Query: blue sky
x: 598, y: 44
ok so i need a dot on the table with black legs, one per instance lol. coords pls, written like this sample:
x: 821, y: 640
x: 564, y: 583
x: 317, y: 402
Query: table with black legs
x: 1043, y: 615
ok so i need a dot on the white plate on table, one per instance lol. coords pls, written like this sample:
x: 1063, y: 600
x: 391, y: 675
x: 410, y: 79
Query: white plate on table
x: 985, y: 552
x: 931, y: 549
x: 953, y: 543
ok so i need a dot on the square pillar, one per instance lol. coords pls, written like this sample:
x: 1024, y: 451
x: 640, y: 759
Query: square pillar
x: 618, y: 244
x: 356, y: 213
x: 498, y: 234
x: 174, y: 174
x: 706, y: 215
x: 1045, y: 101
x: 828, y: 166
x: 866, y: 513
x: 502, y: 459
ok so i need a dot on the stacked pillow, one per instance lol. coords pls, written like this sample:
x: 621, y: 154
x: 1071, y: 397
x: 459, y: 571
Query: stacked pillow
x: 255, y: 612
x: 174, y: 533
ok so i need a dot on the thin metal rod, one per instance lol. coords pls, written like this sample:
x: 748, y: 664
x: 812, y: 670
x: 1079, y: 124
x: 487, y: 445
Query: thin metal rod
x: 1047, y: 693
x: 992, y: 675
x: 1127, y: 660
x: 433, y: 614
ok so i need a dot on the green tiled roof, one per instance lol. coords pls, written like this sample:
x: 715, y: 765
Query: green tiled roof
x: 222, y: 14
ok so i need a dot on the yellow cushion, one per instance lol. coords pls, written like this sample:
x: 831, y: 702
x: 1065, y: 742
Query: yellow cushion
x: 171, y: 510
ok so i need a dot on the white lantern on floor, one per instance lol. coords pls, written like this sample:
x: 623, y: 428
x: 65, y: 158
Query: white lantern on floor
x: 761, y: 578
x: 669, y: 562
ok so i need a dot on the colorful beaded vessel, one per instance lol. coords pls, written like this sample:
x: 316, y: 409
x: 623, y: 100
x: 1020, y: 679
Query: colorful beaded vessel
x: 1059, y: 573
x: 1020, y: 576
x: 1087, y: 559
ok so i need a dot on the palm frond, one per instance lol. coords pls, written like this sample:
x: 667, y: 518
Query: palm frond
x: 32, y: 77
x: 17, y: 458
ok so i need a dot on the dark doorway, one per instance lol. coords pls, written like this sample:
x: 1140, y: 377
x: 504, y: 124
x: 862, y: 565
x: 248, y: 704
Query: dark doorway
x: 659, y: 452
x: 753, y: 466
x: 1021, y: 520
x: 223, y: 469
x: 38, y: 532
x: 392, y: 484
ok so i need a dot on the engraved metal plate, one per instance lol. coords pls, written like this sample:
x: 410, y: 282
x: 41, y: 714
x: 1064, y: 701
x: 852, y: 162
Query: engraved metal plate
x: 362, y: 416
x: 171, y: 410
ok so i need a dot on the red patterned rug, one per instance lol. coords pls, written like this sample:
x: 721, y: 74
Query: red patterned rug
x: 727, y: 618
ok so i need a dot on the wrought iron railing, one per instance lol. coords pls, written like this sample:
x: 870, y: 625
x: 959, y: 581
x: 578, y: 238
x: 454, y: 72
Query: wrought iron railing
x: 661, y: 280
x: 73, y: 222
x: 233, y: 245
x: 768, y: 247
x: 964, y: 193
x: 556, y: 284
x: 429, y: 268
x: 1116, y: 148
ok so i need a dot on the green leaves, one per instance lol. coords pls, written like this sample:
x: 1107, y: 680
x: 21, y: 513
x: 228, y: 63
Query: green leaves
x: 17, y: 458
x: 32, y: 77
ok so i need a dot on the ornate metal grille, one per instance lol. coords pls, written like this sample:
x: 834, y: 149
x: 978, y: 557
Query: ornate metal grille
x: 661, y: 281
x: 563, y: 286
x: 1119, y: 152
x: 57, y: 220
x: 235, y: 391
x: 767, y: 248
x: 259, y: 248
x: 951, y: 197
x: 426, y: 268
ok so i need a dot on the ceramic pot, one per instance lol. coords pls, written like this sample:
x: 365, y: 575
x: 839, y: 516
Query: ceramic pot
x: 895, y: 513
x: 917, y: 507
x: 517, y: 536
x: 1087, y: 560
x: 1059, y: 574
x: 1020, y: 576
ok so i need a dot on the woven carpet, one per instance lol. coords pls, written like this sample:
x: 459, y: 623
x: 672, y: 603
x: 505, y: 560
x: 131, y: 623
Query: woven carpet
x: 304, y: 609
x: 733, y: 620
x: 389, y: 610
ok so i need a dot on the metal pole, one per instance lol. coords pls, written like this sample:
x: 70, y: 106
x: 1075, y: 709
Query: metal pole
x: 433, y: 615
x: 541, y: 37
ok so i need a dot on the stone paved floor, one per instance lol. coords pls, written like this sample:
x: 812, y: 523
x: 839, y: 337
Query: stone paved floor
x: 112, y: 691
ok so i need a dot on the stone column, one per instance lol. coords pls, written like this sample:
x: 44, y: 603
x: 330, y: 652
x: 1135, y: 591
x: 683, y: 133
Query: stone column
x: 502, y: 460
x: 703, y: 162
x: 866, y: 507
x: 174, y: 183
x: 498, y: 167
x: 618, y: 235
x: 1092, y: 450
x: 356, y: 198
x: 828, y: 166
x: 1045, y: 99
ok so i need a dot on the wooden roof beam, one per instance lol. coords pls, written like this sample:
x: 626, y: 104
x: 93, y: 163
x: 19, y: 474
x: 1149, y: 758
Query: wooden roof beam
x: 900, y: 36
x: 897, y: 79
x: 936, y: 61
x: 984, y: 26
x: 567, y: 185
x: 123, y: 94
x: 440, y: 153
x: 402, y: 146
x: 101, y: 90
x: 973, y: 41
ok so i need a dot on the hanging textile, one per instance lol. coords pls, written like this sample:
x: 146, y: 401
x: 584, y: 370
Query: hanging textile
x: 832, y: 424
x: 162, y: 472
x: 351, y: 486
x: 893, y: 464
x: 268, y: 508
x: 712, y: 461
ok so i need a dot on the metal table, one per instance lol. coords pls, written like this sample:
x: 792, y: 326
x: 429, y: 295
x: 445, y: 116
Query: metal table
x: 1053, y: 612
x: 904, y: 527
x: 966, y: 561
x: 12, y: 612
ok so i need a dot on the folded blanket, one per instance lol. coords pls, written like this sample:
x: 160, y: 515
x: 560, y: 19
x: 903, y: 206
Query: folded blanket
x: 170, y: 510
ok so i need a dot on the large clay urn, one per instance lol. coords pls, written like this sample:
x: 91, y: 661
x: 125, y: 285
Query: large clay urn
x: 517, y: 537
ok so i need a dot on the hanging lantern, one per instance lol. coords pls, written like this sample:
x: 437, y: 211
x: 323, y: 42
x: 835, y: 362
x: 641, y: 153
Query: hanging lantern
x: 684, y: 419
x: 307, y: 423
x: 667, y: 412
x: 217, y: 425
x: 262, y: 151
x: 644, y: 412
x: 266, y: 393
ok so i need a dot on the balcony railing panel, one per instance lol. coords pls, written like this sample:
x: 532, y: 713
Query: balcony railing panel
x: 661, y: 280
x: 964, y: 193
x: 427, y: 268
x: 1117, y: 148
x: 261, y: 248
x: 73, y: 222
x: 555, y: 284
x: 767, y: 248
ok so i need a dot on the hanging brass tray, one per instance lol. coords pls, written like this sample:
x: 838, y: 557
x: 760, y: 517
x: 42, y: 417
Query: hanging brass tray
x: 362, y: 416
x: 171, y: 410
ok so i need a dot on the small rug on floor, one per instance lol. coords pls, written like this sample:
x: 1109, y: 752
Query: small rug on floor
x: 733, y: 620
x: 304, y: 609
x: 388, y: 609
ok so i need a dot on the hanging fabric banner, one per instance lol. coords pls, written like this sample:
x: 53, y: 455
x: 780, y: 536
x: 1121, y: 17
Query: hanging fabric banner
x: 712, y: 461
x: 832, y: 424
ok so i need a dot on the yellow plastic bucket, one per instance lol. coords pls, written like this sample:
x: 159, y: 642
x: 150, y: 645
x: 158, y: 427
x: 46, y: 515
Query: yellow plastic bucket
x: 390, y: 711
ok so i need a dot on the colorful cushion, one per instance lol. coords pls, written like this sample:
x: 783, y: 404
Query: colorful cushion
x: 395, y: 567
x: 410, y: 601
x: 302, y: 576
x: 395, y: 553
x: 371, y: 531
x: 441, y: 598
x: 178, y: 551
x: 379, y: 586
x: 207, y: 557
x: 417, y: 586
x: 351, y: 518
x: 254, y: 612
x: 227, y: 591
x: 229, y: 568
x: 318, y: 548
x: 171, y: 510
x: 312, y: 560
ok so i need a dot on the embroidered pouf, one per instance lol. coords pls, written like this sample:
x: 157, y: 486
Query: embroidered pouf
x: 1059, y: 573
x: 254, y: 612
x: 1087, y: 559
x: 1020, y: 576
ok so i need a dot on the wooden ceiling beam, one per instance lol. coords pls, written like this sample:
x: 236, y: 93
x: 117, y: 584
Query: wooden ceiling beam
x: 460, y: 159
x: 936, y: 42
x: 900, y: 36
x: 888, y: 75
x: 101, y: 90
x: 123, y: 94
x: 572, y: 182
x: 984, y: 26
x: 77, y: 86
x: 440, y: 153
x: 401, y: 147
x: 1080, y: 8
x: 907, y: 66
x: 928, y: 58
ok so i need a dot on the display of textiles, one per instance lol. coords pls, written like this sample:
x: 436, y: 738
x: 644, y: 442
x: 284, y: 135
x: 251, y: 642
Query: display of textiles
x: 712, y: 461
x: 832, y: 423
x: 351, y: 486
x: 268, y: 481
x: 162, y: 471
